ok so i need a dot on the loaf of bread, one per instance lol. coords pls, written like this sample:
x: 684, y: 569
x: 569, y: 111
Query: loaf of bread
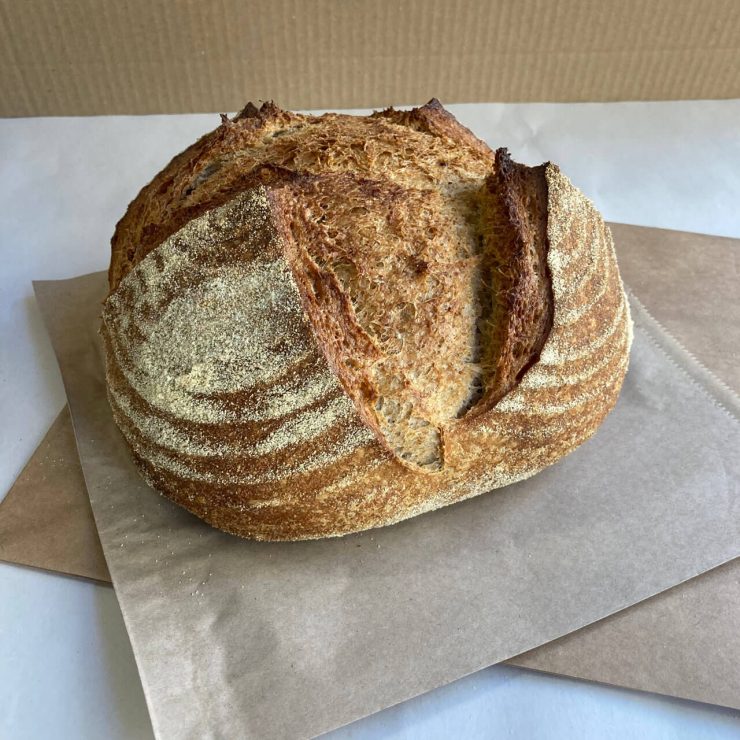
x: 318, y: 325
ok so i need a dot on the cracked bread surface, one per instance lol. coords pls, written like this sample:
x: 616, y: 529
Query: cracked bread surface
x: 412, y: 274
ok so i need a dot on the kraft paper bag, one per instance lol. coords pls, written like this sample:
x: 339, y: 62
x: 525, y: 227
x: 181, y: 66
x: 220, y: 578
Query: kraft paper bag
x: 45, y: 519
x: 682, y: 642
x: 268, y: 640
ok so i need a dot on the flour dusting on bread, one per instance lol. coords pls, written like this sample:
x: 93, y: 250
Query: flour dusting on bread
x: 318, y: 325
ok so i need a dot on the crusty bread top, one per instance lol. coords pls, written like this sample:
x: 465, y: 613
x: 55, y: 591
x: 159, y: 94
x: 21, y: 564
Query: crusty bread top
x: 420, y: 255
x: 419, y: 148
x: 321, y: 325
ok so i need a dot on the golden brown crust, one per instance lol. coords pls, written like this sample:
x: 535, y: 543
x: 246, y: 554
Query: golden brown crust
x: 433, y: 119
x: 243, y: 346
x: 224, y: 161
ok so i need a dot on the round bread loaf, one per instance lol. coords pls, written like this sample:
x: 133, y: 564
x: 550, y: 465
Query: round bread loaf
x: 318, y: 325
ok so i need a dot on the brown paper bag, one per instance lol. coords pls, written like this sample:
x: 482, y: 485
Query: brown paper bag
x: 45, y: 519
x: 628, y: 649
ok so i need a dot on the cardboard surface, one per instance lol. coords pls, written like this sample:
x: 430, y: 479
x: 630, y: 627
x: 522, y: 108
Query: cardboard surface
x: 298, y: 638
x: 152, y: 56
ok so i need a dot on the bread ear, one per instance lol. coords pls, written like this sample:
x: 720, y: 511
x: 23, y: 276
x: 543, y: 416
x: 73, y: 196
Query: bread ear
x: 516, y: 294
x: 432, y: 118
x: 562, y: 398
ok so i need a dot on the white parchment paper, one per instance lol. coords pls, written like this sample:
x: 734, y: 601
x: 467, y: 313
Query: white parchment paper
x: 242, y: 639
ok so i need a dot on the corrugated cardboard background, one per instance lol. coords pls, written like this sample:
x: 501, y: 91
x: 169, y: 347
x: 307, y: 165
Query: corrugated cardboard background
x: 82, y: 57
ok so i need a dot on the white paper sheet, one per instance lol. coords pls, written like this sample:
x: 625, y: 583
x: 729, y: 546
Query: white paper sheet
x: 667, y: 164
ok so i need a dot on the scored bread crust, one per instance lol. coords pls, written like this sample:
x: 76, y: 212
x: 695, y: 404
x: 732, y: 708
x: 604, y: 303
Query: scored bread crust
x: 241, y: 376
